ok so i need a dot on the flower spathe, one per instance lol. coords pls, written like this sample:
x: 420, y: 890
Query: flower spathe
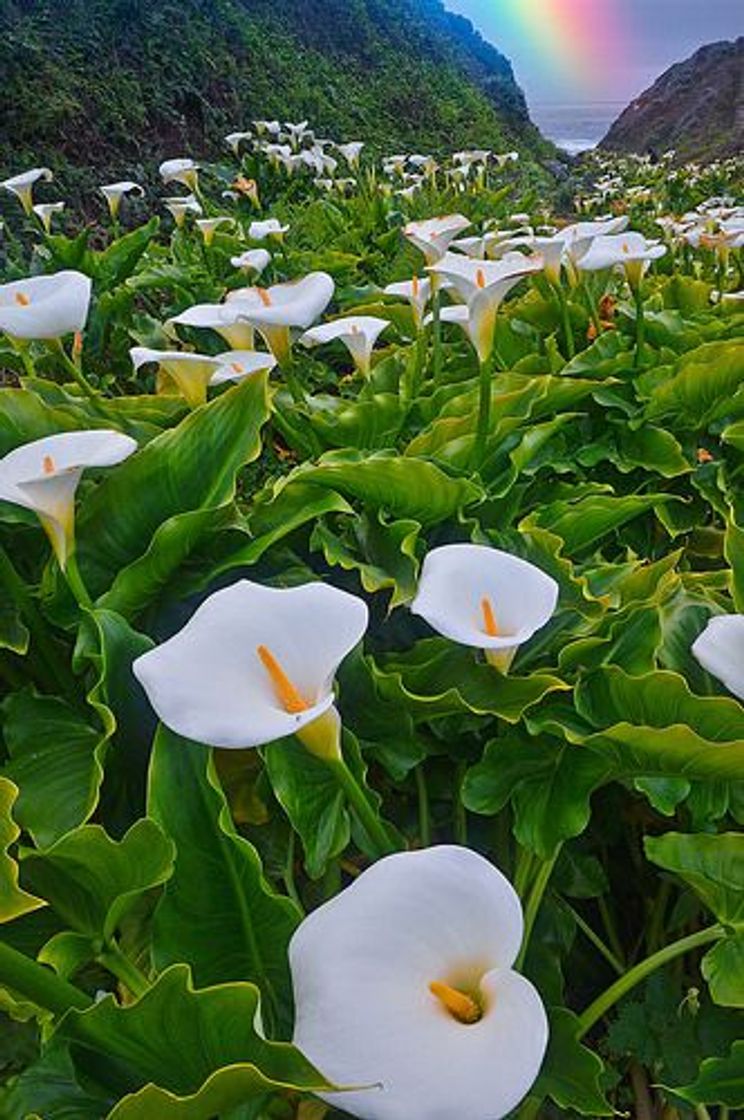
x: 252, y: 260
x: 485, y: 598
x: 115, y: 192
x: 269, y: 227
x: 279, y: 310
x: 180, y: 207
x: 224, y: 318
x: 358, y: 333
x: 236, y: 365
x: 45, y: 211
x: 184, y: 171
x: 181, y: 371
x: 629, y: 251
x: 416, y: 291
x: 255, y: 664
x: 433, y: 236
x: 43, y: 476
x: 45, y: 307
x: 720, y: 651
x: 404, y: 983
x: 22, y: 186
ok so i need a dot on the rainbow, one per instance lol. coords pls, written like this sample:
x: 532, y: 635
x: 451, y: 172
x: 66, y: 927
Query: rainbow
x: 575, y: 38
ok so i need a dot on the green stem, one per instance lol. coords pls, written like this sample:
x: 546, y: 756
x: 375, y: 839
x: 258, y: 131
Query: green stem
x: 38, y: 983
x: 640, y: 327
x: 460, y: 819
x: 522, y: 872
x: 567, y: 326
x: 595, y: 939
x: 610, y: 930
x: 289, y: 876
x: 75, y: 371
x: 436, y: 308
x: 423, y: 805
x: 365, y: 814
x: 530, y: 1108
x: 702, y: 1112
x: 639, y: 972
x: 484, y: 411
x: 123, y: 969
x: 534, y: 901
x: 23, y: 351
x: 75, y: 582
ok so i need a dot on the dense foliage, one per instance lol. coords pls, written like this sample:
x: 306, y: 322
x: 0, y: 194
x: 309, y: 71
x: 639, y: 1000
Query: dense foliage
x: 601, y: 440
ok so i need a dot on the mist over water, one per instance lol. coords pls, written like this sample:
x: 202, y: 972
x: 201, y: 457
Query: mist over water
x: 574, y: 126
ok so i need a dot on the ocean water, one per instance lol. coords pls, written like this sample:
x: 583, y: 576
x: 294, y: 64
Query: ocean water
x: 573, y: 126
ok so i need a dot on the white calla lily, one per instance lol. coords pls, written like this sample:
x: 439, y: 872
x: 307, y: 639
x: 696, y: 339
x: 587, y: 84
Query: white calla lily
x: 22, y: 186
x: 45, y: 211
x: 235, y: 139
x: 416, y: 291
x: 115, y: 192
x: 358, y: 333
x: 351, y: 151
x: 279, y: 310
x: 208, y: 226
x: 578, y: 237
x: 224, y: 318
x: 252, y: 261
x: 236, y: 365
x: 404, y: 983
x: 184, y: 171
x: 180, y: 207
x: 255, y: 664
x: 43, y: 476
x: 720, y: 650
x: 433, y: 237
x: 269, y: 227
x: 629, y: 251
x: 484, y: 598
x: 45, y: 307
x: 186, y: 373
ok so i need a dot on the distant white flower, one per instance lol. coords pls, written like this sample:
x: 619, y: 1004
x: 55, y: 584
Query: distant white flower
x: 45, y: 211
x: 358, y: 333
x: 720, y: 650
x: 235, y: 139
x: 629, y: 251
x: 180, y: 207
x: 252, y: 260
x: 22, y: 185
x: 236, y: 365
x: 115, y: 192
x: 184, y: 171
x: 433, y: 236
x: 485, y: 598
x: 416, y: 291
x: 404, y: 983
x: 208, y: 226
x: 43, y: 476
x: 270, y: 227
x: 45, y: 307
x: 351, y: 152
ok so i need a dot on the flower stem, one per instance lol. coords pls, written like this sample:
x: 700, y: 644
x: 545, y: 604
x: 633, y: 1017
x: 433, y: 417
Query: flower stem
x: 73, y: 369
x: 567, y: 326
x: 423, y: 805
x: 365, y: 814
x: 539, y: 886
x: 640, y: 971
x: 75, y: 582
x: 640, y: 327
x: 38, y: 983
x: 484, y: 411
x: 124, y: 970
x: 595, y: 939
x: 436, y: 309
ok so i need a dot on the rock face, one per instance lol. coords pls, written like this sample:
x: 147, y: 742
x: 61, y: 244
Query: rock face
x: 120, y: 83
x: 696, y: 107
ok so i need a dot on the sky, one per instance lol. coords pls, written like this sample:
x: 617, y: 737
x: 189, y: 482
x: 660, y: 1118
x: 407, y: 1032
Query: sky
x: 581, y: 51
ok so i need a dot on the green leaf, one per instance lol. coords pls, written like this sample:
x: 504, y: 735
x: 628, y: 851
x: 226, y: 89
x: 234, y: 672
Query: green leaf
x: 588, y: 520
x: 175, y: 1037
x: 404, y: 486
x: 734, y: 552
x: 118, y: 260
x: 192, y: 467
x: 56, y: 762
x: 47, y: 1088
x: 712, y: 865
x: 13, y: 900
x: 218, y: 911
x: 571, y: 1073
x: 723, y: 968
x: 706, y: 387
x: 371, y: 424
x: 719, y: 1081
x: 388, y: 554
x: 91, y: 881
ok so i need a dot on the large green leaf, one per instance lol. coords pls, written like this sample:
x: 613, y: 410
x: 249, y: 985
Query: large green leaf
x: 706, y: 386
x: 56, y: 762
x: 719, y: 1081
x: 723, y: 968
x: 191, y: 467
x: 13, y: 900
x: 176, y: 1038
x: 712, y: 865
x: 571, y: 1072
x: 91, y: 881
x: 218, y: 911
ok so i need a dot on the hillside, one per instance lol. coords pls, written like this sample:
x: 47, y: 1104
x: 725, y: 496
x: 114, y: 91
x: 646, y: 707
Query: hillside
x: 695, y: 107
x: 119, y: 83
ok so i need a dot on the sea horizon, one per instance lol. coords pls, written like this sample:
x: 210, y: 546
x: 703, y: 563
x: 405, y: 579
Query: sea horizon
x: 575, y: 126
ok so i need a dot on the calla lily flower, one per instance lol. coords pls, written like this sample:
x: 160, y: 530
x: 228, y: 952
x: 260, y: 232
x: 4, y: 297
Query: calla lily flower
x: 351, y: 152
x: 630, y: 251
x: 433, y: 237
x: 184, y: 171
x: 359, y: 333
x: 404, y: 983
x: 180, y: 207
x: 255, y: 664
x: 43, y: 476
x: 578, y: 237
x: 45, y: 307
x: 278, y: 310
x: 720, y: 651
x: 235, y: 139
x: 45, y: 211
x: 22, y: 186
x: 252, y: 260
x: 416, y: 291
x: 224, y: 318
x: 208, y: 226
x: 270, y: 227
x: 114, y: 193
x: 180, y: 371
x: 484, y: 598
x: 236, y: 365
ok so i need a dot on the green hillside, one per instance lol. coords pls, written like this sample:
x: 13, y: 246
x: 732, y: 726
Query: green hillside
x: 118, y: 83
